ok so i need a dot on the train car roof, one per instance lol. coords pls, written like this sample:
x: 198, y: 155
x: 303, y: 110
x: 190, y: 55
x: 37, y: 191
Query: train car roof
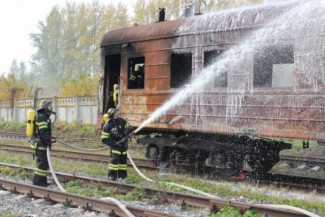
x: 227, y: 20
x: 139, y: 33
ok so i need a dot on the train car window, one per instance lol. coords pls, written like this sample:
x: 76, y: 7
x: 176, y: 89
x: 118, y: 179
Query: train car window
x: 180, y: 69
x: 274, y: 67
x: 136, y: 73
x: 210, y: 57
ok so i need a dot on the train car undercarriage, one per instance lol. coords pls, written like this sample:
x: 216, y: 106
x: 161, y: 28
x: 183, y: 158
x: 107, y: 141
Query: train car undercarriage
x: 220, y: 152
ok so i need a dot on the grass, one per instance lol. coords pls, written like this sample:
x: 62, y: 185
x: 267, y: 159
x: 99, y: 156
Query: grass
x: 75, y: 130
x: 7, y: 214
x: 12, y: 126
x: 297, y: 149
x: 225, y: 191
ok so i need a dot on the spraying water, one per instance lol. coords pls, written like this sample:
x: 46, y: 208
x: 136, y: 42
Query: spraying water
x: 296, y: 17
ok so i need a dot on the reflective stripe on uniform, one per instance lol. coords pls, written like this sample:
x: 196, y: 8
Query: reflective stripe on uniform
x: 132, y: 77
x: 41, y: 125
x: 105, y: 135
x: 127, y: 125
x: 40, y: 172
x: 122, y: 166
x: 116, y: 152
x: 34, y: 146
x: 124, y: 153
x: 113, y: 167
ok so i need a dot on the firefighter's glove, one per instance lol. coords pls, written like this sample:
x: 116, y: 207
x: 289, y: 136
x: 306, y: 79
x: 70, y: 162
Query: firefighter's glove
x: 128, y: 131
x: 117, y: 136
x: 132, y: 133
x: 122, y: 141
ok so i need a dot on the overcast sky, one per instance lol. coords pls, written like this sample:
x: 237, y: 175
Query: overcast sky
x: 19, y: 18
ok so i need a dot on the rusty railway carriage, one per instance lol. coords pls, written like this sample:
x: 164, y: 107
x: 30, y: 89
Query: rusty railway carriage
x: 271, y: 92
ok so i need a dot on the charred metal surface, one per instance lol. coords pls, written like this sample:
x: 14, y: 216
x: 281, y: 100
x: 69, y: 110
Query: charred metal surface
x: 294, y: 113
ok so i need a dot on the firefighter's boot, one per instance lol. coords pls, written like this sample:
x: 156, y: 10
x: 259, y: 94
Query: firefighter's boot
x: 40, y: 180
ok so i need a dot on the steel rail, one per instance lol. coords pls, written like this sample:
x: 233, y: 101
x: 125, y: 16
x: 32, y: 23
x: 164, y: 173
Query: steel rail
x: 76, y: 155
x: 303, y: 159
x: 295, y: 181
x: 75, y: 200
x: 214, y: 204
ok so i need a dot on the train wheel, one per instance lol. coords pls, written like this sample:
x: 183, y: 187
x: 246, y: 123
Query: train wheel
x: 235, y: 163
x: 152, y: 152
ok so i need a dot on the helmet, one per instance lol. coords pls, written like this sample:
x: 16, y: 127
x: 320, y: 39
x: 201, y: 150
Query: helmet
x: 46, y: 104
x: 111, y: 112
x: 137, y: 67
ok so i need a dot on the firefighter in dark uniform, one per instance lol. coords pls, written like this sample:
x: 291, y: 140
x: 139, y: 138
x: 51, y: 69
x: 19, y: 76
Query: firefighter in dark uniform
x: 114, y: 134
x: 137, y: 77
x: 43, y: 139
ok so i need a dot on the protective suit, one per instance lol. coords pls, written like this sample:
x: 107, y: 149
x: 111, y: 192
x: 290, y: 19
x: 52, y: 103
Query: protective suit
x: 43, y: 138
x: 114, y: 131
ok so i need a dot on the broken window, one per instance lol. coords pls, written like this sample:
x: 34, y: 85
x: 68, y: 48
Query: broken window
x: 136, y: 70
x: 274, y: 67
x: 180, y: 69
x: 210, y: 57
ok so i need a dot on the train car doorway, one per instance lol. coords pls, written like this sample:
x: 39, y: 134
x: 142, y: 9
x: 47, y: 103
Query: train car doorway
x: 111, y: 81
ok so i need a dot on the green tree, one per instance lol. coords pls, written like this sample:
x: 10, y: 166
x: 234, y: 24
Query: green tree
x: 14, y: 85
x: 147, y: 11
x: 68, y: 41
x: 139, y: 13
x: 81, y: 85
x: 47, y: 62
x: 121, y: 17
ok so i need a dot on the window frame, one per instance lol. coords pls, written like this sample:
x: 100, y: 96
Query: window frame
x: 213, y: 57
x: 131, y: 63
x: 176, y: 79
x: 264, y: 61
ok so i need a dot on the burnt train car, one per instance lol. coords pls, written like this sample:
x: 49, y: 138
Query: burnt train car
x: 230, y: 86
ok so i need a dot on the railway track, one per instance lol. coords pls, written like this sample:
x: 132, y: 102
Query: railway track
x: 296, y: 160
x: 74, y: 155
x: 294, y: 181
x: 74, y: 200
x: 289, y: 180
x: 213, y: 204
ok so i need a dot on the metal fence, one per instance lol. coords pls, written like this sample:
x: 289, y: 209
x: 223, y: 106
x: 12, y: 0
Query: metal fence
x: 68, y: 109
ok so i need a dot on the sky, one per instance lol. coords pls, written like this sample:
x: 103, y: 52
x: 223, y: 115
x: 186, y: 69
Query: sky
x: 19, y: 18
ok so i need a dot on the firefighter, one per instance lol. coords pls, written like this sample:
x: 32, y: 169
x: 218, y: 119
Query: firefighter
x: 115, y: 133
x: 43, y: 139
x: 137, y: 77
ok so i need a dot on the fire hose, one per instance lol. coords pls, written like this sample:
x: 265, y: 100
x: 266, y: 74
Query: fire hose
x: 118, y: 203
x: 128, y: 213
